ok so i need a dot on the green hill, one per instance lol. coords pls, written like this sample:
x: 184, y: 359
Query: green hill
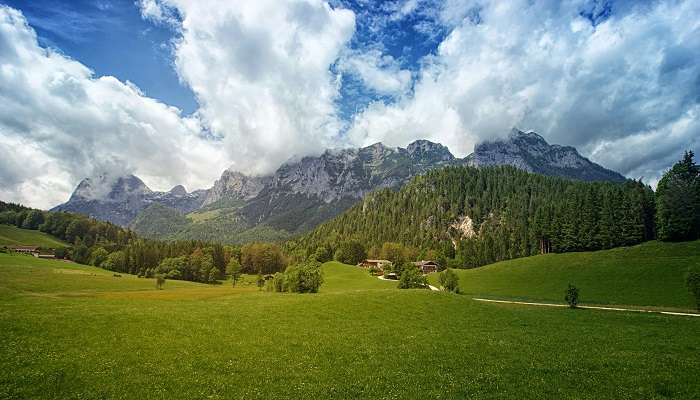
x: 71, y: 331
x: 338, y: 277
x: 13, y: 236
x: 477, y: 216
x: 224, y: 224
x: 650, y: 274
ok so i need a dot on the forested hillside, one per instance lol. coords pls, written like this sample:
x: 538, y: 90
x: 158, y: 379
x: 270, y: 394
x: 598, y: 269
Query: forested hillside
x: 478, y: 216
x: 109, y: 246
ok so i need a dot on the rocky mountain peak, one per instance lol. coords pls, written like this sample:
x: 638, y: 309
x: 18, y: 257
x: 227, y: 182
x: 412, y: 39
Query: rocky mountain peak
x: 178, y: 190
x: 531, y: 152
x: 234, y: 185
x: 110, y: 188
x: 426, y: 150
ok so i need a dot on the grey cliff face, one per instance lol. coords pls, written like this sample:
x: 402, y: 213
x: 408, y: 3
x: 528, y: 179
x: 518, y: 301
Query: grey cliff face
x: 353, y: 173
x: 530, y: 152
x: 234, y: 186
x: 119, y: 200
x: 308, y: 191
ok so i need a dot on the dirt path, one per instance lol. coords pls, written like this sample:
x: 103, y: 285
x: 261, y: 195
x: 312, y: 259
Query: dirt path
x: 392, y: 280
x: 589, y: 307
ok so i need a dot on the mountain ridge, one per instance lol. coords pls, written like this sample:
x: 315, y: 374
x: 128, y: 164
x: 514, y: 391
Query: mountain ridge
x: 305, y: 192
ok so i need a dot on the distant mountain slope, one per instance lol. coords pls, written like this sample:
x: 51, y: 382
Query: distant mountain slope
x: 530, y: 152
x: 304, y: 193
x: 476, y: 216
x: 120, y: 199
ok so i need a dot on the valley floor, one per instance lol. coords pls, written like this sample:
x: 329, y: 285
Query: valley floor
x: 75, y: 332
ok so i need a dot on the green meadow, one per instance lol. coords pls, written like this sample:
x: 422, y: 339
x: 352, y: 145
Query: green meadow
x: 650, y: 274
x: 13, y: 236
x: 75, y: 332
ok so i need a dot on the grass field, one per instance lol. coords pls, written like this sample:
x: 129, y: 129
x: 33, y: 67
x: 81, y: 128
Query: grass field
x: 13, y: 236
x: 650, y: 274
x: 344, y: 278
x: 76, y: 332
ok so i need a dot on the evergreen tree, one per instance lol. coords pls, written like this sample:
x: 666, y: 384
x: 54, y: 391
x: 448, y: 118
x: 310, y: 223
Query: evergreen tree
x: 678, y: 201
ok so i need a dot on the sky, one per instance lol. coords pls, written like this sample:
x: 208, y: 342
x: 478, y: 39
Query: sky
x: 176, y: 91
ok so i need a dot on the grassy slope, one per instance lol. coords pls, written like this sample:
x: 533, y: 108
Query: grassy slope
x: 650, y: 274
x: 13, y: 236
x: 78, y: 338
x: 340, y: 277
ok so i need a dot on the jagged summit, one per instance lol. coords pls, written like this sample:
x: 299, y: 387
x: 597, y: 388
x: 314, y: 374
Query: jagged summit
x: 119, y: 199
x: 306, y: 191
x: 234, y: 185
x: 531, y: 152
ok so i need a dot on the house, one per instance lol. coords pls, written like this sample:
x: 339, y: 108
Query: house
x: 426, y: 266
x: 378, y: 264
x: 24, y: 249
x: 44, y: 255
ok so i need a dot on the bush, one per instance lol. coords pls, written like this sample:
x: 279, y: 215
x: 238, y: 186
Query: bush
x: 571, y: 296
x: 449, y: 280
x: 260, y: 281
x: 160, y: 281
x: 412, y: 278
x: 692, y: 279
x: 279, y: 283
x: 304, y: 278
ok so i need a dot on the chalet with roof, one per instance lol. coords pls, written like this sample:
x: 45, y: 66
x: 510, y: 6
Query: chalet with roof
x: 426, y: 266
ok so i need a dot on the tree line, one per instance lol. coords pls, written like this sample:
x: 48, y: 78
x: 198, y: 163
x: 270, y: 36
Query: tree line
x: 462, y: 217
x: 112, y: 247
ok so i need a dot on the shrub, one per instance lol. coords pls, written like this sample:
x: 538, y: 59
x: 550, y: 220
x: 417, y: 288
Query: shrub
x: 304, y: 278
x: 571, y: 296
x: 260, y: 281
x: 692, y: 279
x: 412, y: 278
x: 449, y: 280
x: 160, y: 281
x: 279, y: 282
x: 98, y: 256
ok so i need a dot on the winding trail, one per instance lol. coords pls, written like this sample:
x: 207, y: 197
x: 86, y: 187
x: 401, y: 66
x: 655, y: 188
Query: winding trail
x: 589, y: 307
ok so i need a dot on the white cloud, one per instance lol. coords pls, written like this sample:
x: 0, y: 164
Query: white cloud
x: 380, y: 73
x: 541, y: 66
x: 624, y: 91
x: 59, y: 123
x: 260, y: 72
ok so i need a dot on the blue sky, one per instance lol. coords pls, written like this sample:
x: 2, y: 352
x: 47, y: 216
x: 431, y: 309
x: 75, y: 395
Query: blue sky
x: 111, y: 38
x: 176, y: 91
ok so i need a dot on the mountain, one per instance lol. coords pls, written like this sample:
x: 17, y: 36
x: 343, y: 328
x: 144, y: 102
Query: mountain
x: 305, y: 192
x: 302, y: 194
x: 530, y: 152
x: 120, y: 199
x: 477, y: 216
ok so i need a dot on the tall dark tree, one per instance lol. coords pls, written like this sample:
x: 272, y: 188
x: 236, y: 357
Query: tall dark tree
x: 678, y: 201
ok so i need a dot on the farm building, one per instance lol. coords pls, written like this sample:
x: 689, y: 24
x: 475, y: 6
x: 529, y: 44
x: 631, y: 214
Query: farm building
x: 24, y: 249
x: 426, y: 266
x: 379, y: 264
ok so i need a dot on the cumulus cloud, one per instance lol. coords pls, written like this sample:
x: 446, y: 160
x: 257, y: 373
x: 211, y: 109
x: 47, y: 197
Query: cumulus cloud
x: 621, y: 83
x: 260, y: 72
x: 379, y: 72
x: 579, y: 77
x: 59, y: 123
